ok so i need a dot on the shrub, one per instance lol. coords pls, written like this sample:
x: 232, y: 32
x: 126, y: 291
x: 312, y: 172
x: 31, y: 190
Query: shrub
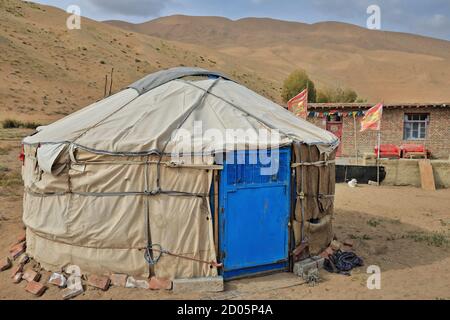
x: 13, y: 124
x: 296, y: 83
x: 329, y: 95
x: 31, y: 125
x: 373, y: 222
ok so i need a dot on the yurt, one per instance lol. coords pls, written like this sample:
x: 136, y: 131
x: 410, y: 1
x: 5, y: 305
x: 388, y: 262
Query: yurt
x: 106, y: 188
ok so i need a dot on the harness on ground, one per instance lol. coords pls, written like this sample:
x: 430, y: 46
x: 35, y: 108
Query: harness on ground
x: 342, y: 262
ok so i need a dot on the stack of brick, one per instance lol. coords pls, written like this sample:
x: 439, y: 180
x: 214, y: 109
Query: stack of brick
x: 72, y: 285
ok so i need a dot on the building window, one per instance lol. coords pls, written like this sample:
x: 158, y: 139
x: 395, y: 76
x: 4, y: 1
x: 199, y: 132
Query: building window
x: 415, y: 126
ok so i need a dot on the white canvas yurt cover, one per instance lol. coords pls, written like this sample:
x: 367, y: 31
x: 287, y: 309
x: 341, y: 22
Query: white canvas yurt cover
x: 100, y: 184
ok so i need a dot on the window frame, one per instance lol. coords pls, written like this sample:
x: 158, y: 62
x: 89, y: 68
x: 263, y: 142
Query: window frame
x: 420, y: 124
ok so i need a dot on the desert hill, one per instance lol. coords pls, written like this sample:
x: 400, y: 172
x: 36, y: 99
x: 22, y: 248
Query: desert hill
x: 389, y: 66
x: 48, y: 71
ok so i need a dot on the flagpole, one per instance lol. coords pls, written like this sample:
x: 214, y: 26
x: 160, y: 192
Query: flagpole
x: 356, y: 145
x: 378, y: 155
x: 373, y: 116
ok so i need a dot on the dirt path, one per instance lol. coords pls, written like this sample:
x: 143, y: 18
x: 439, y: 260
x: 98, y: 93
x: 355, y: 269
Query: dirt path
x: 403, y: 230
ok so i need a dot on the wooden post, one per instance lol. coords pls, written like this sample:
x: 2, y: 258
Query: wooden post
x: 426, y: 137
x: 355, y: 138
x: 379, y: 144
x: 216, y: 211
x: 106, y: 85
x: 378, y: 156
x: 111, y: 83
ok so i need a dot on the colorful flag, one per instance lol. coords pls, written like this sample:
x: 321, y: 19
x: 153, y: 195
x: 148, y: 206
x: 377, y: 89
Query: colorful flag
x: 298, y: 105
x: 372, y: 119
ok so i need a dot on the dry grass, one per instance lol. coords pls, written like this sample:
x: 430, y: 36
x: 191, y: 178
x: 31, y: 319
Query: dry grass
x: 435, y: 239
x: 15, y: 134
x: 9, y: 178
x: 5, y: 150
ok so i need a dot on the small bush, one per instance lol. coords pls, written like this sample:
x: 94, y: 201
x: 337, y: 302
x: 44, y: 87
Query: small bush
x: 31, y: 125
x: 373, y: 222
x: 11, y: 124
x: 296, y: 83
x: 330, y: 95
x: 14, y: 124
x: 358, y: 237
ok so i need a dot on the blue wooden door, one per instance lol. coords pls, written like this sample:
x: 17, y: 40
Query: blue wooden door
x: 254, y: 213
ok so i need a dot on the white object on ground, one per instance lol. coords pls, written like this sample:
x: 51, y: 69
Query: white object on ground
x: 352, y: 183
x: 57, y: 279
x: 133, y: 283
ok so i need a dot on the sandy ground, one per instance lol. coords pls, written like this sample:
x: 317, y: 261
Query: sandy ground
x: 403, y: 230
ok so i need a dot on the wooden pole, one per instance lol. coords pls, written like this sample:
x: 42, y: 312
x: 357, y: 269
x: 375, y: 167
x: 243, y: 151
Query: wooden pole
x: 216, y: 212
x: 111, y: 83
x: 426, y: 137
x: 378, y: 156
x: 379, y: 144
x: 355, y: 138
x: 106, y: 85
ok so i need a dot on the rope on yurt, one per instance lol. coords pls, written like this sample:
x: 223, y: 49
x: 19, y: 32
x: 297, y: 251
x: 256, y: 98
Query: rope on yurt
x: 252, y: 115
x: 151, y: 260
x: 302, y: 199
x: 162, y: 251
x: 103, y: 119
x: 148, y: 255
x: 187, y: 114
x: 316, y: 164
x: 318, y: 176
x: 115, y: 194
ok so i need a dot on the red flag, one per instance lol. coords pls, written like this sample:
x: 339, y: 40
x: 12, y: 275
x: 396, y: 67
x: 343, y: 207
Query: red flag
x: 372, y: 119
x: 298, y: 105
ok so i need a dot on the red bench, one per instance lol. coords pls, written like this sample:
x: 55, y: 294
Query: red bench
x: 414, y: 150
x: 388, y: 151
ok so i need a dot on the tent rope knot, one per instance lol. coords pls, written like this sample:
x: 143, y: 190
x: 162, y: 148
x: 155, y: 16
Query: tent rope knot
x: 148, y: 255
x: 158, y: 248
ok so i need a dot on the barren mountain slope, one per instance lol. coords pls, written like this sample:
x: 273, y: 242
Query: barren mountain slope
x: 48, y: 71
x: 389, y: 66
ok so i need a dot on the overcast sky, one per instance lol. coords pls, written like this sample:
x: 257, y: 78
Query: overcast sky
x: 425, y: 17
